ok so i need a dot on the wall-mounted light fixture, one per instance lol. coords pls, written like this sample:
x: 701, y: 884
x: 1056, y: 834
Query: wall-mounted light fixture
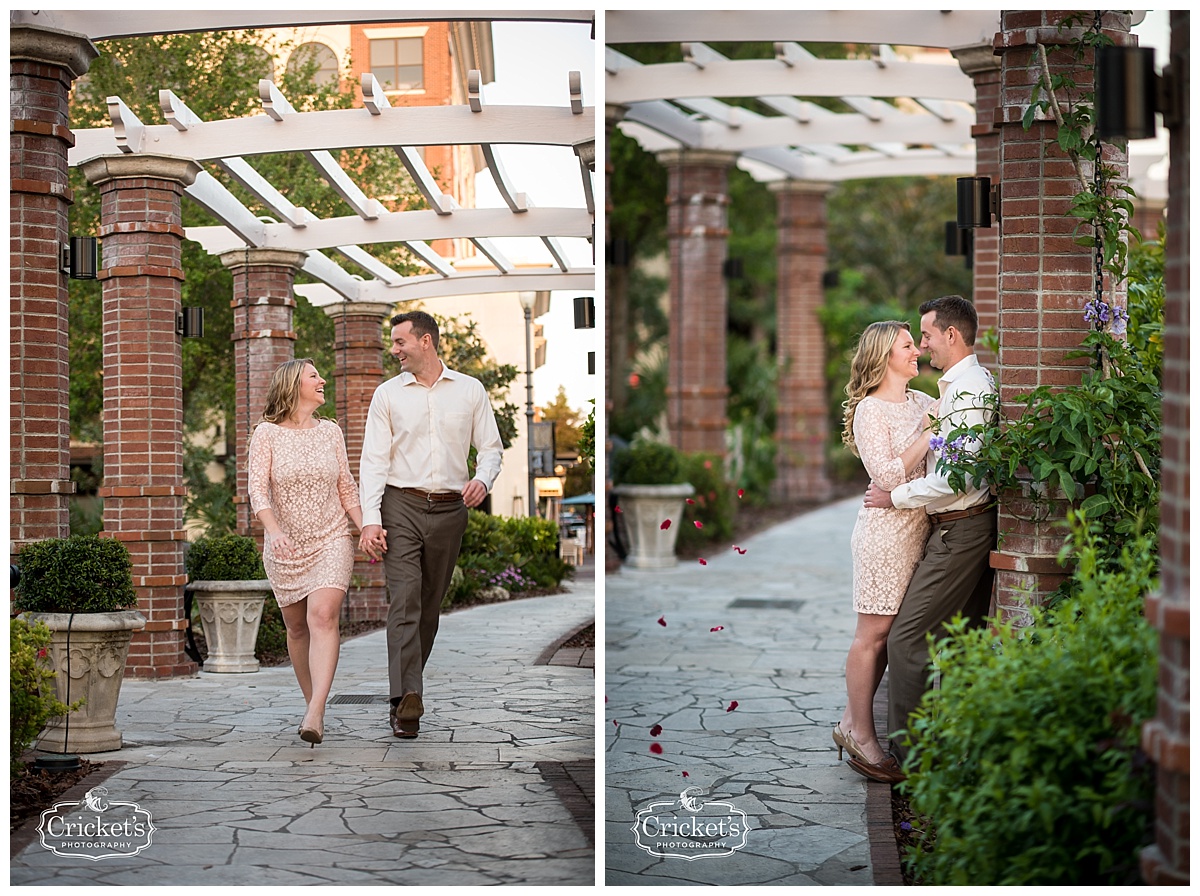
x: 958, y: 239
x: 585, y: 312
x: 1128, y: 93
x: 732, y: 269
x: 830, y: 279
x: 81, y: 258
x: 189, y: 323
x: 617, y: 253
x: 591, y: 362
x: 978, y: 200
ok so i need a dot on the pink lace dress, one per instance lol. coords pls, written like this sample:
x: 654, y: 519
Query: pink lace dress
x: 304, y: 477
x: 887, y: 543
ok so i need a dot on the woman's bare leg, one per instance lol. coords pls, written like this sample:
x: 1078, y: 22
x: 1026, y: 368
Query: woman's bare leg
x: 324, y: 611
x: 865, y: 664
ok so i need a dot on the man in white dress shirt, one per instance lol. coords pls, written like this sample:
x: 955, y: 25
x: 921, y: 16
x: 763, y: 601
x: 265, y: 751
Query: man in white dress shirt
x: 954, y: 575
x: 415, y: 493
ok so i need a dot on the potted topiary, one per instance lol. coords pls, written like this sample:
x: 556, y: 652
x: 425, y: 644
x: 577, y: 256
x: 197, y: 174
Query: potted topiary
x: 227, y: 579
x: 648, y: 483
x: 81, y: 588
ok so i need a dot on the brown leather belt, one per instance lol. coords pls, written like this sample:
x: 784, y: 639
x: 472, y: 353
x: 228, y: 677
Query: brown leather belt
x: 432, y: 497
x: 951, y: 515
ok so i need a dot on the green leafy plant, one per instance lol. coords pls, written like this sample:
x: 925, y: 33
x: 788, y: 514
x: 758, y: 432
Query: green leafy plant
x: 224, y: 558
x: 493, y: 545
x: 713, y: 506
x: 647, y: 463
x: 32, y: 700
x: 587, y: 438
x: 1024, y: 763
x: 79, y: 574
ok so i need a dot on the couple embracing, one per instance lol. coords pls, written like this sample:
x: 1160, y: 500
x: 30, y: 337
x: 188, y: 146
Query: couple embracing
x: 920, y: 549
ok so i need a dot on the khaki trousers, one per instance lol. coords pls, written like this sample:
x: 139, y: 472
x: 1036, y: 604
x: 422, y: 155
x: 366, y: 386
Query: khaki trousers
x: 423, y: 540
x: 954, y: 577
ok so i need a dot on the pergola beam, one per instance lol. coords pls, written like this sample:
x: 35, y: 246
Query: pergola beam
x: 432, y: 287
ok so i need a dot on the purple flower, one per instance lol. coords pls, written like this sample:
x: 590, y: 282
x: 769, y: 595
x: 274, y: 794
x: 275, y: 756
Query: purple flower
x: 937, y: 443
x: 905, y: 826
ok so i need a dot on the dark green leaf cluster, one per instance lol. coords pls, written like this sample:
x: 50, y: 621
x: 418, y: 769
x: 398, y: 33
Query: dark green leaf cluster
x: 493, y: 544
x: 80, y: 574
x: 645, y: 462
x: 32, y: 698
x: 587, y: 437
x: 224, y: 558
x: 1025, y: 760
x: 715, y: 508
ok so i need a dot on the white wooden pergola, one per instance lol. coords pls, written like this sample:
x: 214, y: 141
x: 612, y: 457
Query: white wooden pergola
x: 926, y: 131
x: 280, y: 128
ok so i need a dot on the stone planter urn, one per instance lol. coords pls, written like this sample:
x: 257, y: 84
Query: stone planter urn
x: 230, y: 612
x: 644, y: 508
x: 88, y: 651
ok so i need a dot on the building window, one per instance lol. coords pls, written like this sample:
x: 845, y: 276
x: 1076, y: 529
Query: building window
x: 399, y: 63
x: 318, y: 59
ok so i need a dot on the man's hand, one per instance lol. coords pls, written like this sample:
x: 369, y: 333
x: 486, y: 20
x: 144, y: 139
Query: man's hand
x: 473, y: 493
x: 877, y: 497
x: 373, y: 541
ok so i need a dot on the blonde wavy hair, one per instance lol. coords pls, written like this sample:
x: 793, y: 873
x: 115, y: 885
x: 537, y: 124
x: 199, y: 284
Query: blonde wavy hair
x: 867, y: 370
x: 284, y: 390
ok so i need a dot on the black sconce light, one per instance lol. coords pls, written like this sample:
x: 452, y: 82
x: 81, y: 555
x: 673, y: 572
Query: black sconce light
x: 978, y: 200
x: 830, y: 279
x: 81, y: 258
x: 960, y: 241
x: 591, y: 362
x: 617, y: 253
x: 189, y: 323
x: 1128, y: 93
x: 732, y: 269
x: 585, y: 312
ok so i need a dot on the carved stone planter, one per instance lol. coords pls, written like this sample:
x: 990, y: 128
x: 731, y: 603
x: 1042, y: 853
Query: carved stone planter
x: 231, y: 613
x: 644, y: 508
x: 88, y: 651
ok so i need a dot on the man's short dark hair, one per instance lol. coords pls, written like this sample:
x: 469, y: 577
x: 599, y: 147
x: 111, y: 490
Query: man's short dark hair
x: 423, y: 324
x: 953, y: 311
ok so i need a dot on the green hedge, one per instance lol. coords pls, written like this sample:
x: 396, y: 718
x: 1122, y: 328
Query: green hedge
x: 80, y: 574
x: 224, y: 558
x: 647, y: 463
x: 495, y: 547
x: 1026, y: 762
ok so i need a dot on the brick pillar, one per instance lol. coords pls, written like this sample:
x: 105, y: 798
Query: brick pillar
x: 803, y: 413
x: 981, y: 63
x: 143, y: 491
x: 616, y: 334
x: 358, y: 352
x: 1165, y: 738
x: 1045, y: 281
x: 43, y: 65
x: 263, y: 339
x: 697, y: 232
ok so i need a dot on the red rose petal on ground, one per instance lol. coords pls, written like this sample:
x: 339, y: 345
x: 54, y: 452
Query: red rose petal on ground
x: 662, y: 620
x: 665, y: 524
x: 703, y: 562
x: 699, y: 525
x: 717, y: 628
x: 656, y: 731
x: 739, y: 550
x: 614, y: 723
x: 732, y: 706
x: 656, y: 748
x: 685, y: 774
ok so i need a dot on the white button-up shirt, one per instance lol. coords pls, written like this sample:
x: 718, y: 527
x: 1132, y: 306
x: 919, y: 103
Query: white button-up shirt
x: 963, y: 388
x: 419, y: 436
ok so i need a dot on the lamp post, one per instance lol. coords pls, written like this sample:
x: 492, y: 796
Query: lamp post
x: 527, y: 302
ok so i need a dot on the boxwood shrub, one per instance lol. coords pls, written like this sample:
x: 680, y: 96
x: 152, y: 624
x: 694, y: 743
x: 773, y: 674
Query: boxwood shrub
x: 79, y: 574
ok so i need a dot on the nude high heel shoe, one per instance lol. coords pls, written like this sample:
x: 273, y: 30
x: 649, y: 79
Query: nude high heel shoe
x: 842, y: 739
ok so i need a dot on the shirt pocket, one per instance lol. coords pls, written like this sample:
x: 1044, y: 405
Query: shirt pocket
x: 454, y: 428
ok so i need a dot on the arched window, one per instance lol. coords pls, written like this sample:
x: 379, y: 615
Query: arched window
x: 318, y: 59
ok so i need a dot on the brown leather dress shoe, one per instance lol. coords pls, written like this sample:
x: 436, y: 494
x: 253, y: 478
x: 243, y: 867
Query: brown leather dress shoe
x: 886, y: 771
x: 406, y: 716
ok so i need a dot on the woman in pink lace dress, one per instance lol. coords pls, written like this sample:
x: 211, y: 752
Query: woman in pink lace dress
x: 886, y: 424
x: 302, y: 491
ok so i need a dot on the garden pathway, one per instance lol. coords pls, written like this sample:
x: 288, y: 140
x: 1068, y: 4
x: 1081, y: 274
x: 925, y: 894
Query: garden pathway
x: 498, y: 788
x: 785, y: 611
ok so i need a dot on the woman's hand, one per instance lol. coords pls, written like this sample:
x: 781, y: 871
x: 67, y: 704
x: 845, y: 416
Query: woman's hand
x: 282, y: 546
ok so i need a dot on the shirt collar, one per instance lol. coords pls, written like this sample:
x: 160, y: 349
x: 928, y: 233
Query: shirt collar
x: 959, y: 369
x: 407, y: 379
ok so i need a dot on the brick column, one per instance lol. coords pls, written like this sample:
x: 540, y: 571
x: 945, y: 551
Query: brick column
x: 143, y: 491
x: 1165, y: 738
x: 43, y: 65
x: 981, y: 63
x: 358, y: 352
x: 616, y: 335
x: 697, y: 232
x: 263, y: 339
x: 1045, y: 281
x: 803, y: 414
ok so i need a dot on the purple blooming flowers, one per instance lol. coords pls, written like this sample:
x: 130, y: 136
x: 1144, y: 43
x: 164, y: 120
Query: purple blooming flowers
x: 1101, y: 315
x: 950, y: 451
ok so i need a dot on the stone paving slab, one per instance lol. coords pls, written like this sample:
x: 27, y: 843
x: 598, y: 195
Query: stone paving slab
x: 238, y: 799
x: 787, y: 621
